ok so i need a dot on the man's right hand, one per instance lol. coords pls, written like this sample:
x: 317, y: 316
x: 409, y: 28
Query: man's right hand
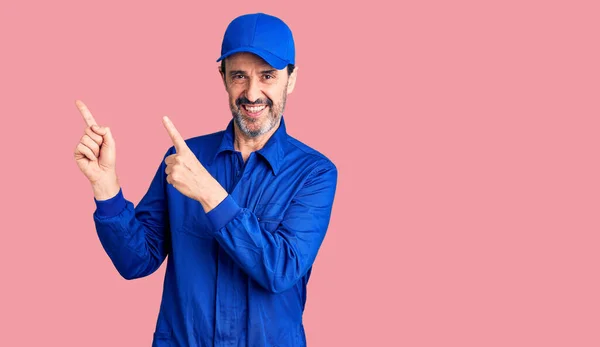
x: 95, y: 155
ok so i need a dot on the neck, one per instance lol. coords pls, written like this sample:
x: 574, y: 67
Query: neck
x: 247, y: 145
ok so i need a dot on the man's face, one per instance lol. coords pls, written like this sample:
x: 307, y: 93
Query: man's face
x: 257, y: 92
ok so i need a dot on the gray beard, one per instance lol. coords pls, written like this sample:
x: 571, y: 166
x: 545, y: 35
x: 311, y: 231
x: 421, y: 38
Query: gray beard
x: 275, y: 113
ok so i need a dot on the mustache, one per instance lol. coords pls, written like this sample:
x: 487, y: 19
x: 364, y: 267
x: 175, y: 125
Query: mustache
x: 243, y: 100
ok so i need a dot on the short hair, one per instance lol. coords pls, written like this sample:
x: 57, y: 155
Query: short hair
x: 290, y: 67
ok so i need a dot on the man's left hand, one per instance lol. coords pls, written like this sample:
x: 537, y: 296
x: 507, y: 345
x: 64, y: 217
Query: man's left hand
x: 184, y: 171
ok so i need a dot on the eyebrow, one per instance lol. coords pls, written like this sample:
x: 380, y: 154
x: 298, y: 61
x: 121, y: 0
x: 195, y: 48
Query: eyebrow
x: 241, y: 72
x: 237, y: 72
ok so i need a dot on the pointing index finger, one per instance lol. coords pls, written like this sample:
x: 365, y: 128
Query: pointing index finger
x: 87, y: 115
x: 178, y: 141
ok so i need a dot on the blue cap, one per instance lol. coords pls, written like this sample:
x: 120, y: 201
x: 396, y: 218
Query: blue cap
x: 262, y: 34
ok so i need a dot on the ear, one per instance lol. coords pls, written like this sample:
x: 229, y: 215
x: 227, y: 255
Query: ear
x: 222, y: 73
x: 292, y: 80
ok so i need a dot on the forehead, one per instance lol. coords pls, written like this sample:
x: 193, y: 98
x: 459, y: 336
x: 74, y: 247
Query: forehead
x: 244, y: 60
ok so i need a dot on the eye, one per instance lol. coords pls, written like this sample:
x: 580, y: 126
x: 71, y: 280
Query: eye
x: 268, y: 77
x: 238, y: 76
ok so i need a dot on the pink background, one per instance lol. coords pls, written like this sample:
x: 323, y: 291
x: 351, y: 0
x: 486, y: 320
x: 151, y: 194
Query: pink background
x: 465, y: 133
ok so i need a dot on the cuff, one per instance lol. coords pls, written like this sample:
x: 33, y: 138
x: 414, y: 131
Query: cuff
x: 110, y: 207
x: 224, y: 213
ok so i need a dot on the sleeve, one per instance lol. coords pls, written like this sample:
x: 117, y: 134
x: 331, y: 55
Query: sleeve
x: 278, y: 259
x: 136, y: 239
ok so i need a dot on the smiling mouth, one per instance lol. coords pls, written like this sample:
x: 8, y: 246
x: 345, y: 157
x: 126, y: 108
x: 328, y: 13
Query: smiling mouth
x: 254, y: 110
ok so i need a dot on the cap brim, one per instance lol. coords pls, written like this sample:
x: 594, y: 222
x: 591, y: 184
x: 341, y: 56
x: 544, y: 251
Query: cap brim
x: 270, y: 58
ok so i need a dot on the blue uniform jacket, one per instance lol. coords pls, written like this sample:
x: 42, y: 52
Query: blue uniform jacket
x: 235, y: 276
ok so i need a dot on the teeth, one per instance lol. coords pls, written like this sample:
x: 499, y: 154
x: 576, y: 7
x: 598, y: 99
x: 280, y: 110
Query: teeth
x: 255, y: 109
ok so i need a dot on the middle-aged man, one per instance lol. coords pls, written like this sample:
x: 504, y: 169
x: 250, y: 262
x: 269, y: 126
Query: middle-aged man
x: 241, y: 213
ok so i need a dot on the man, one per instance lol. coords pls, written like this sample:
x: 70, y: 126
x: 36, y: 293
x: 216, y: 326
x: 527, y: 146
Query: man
x: 241, y: 213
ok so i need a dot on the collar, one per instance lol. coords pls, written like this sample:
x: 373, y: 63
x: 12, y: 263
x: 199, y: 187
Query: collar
x: 272, y: 151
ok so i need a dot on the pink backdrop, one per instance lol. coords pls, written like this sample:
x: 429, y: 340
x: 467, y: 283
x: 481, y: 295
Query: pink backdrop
x: 466, y: 137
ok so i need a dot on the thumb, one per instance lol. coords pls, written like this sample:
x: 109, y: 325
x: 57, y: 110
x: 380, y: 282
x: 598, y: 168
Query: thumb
x: 107, y: 137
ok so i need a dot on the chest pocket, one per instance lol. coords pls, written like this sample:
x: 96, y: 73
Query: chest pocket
x: 269, y: 216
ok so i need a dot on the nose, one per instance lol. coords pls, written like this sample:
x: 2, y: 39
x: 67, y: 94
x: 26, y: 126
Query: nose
x: 253, y: 92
